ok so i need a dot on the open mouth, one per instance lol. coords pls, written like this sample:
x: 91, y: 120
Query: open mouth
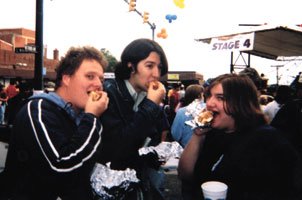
x: 88, y: 92
x: 215, y: 113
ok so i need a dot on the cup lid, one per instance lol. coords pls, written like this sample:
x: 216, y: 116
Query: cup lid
x: 214, y: 186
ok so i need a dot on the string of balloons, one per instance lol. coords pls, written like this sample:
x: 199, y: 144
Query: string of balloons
x: 170, y: 17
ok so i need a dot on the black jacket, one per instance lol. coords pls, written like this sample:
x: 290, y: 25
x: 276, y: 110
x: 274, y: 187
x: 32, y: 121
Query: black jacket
x: 125, y: 131
x: 50, y: 155
x: 289, y: 120
x: 255, y: 164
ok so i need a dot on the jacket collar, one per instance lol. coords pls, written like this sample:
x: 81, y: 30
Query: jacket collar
x: 137, y: 97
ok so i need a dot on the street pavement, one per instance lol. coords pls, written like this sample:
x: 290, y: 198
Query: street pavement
x: 173, y: 186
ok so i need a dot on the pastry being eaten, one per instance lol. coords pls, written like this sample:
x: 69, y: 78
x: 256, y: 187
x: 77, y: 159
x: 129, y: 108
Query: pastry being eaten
x: 96, y: 95
x: 204, y: 118
x: 155, y: 84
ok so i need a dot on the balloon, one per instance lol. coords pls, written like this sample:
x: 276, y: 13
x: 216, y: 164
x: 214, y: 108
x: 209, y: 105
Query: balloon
x: 162, y: 34
x: 179, y: 3
x: 170, y: 18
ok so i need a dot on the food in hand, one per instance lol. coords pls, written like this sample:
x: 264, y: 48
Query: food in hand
x: 205, y: 117
x: 155, y: 85
x: 96, y: 95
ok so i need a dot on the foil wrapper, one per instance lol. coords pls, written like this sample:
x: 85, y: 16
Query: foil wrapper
x: 193, y: 110
x: 165, y: 150
x: 110, y: 184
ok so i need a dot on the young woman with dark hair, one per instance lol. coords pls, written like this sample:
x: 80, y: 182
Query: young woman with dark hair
x: 240, y: 149
x: 134, y: 114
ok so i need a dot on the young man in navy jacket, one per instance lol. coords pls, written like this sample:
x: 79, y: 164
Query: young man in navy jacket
x: 55, y: 135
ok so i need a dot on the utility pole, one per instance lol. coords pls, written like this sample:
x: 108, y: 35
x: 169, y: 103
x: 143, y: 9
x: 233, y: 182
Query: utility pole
x: 152, y: 25
x: 38, y: 76
x: 277, y: 72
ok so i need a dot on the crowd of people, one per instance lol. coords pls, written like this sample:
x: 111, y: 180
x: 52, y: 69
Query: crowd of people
x: 12, y: 98
x: 254, y: 145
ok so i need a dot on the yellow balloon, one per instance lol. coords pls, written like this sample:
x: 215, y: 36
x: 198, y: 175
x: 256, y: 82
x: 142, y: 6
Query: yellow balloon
x: 179, y: 3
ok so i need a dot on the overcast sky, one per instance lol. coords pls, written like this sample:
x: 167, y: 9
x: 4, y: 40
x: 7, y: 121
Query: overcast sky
x: 108, y: 24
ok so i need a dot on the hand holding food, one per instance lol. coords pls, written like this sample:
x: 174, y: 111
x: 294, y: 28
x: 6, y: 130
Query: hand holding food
x: 97, y: 102
x: 96, y: 95
x: 156, y: 91
x: 155, y: 85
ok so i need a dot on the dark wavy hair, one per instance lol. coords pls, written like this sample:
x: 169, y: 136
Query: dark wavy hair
x: 136, y: 51
x: 241, y: 100
x: 74, y: 58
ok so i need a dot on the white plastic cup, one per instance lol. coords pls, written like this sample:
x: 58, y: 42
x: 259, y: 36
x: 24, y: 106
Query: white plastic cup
x: 214, y: 190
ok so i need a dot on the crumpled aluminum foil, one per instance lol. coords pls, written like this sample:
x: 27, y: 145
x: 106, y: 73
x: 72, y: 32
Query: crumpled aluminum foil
x: 193, y: 110
x: 111, y: 184
x: 165, y: 150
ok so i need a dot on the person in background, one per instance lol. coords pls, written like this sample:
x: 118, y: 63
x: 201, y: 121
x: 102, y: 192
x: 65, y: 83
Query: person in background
x: 173, y: 101
x: 263, y: 101
x: 55, y: 136
x: 49, y: 87
x: 165, y: 125
x: 181, y: 94
x: 181, y: 91
x: 15, y: 103
x: 12, y: 90
x: 3, y: 103
x: 253, y: 74
x: 240, y: 149
x: 297, y: 82
x: 134, y: 115
x: 283, y: 95
x: 180, y: 131
x: 289, y: 118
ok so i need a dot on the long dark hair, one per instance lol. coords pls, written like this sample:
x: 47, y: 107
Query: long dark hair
x: 241, y: 100
x: 136, y: 51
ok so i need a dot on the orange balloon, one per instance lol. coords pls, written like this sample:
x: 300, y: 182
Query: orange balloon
x: 162, y: 34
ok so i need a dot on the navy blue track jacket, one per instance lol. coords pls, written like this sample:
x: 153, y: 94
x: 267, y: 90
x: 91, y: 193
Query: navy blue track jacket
x: 49, y: 154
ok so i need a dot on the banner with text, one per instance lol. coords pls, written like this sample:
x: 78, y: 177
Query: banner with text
x: 240, y: 42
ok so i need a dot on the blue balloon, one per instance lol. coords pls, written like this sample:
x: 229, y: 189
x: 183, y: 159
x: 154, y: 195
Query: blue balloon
x: 170, y: 18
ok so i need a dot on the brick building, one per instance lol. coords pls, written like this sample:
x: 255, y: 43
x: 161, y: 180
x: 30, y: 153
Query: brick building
x: 21, y: 65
